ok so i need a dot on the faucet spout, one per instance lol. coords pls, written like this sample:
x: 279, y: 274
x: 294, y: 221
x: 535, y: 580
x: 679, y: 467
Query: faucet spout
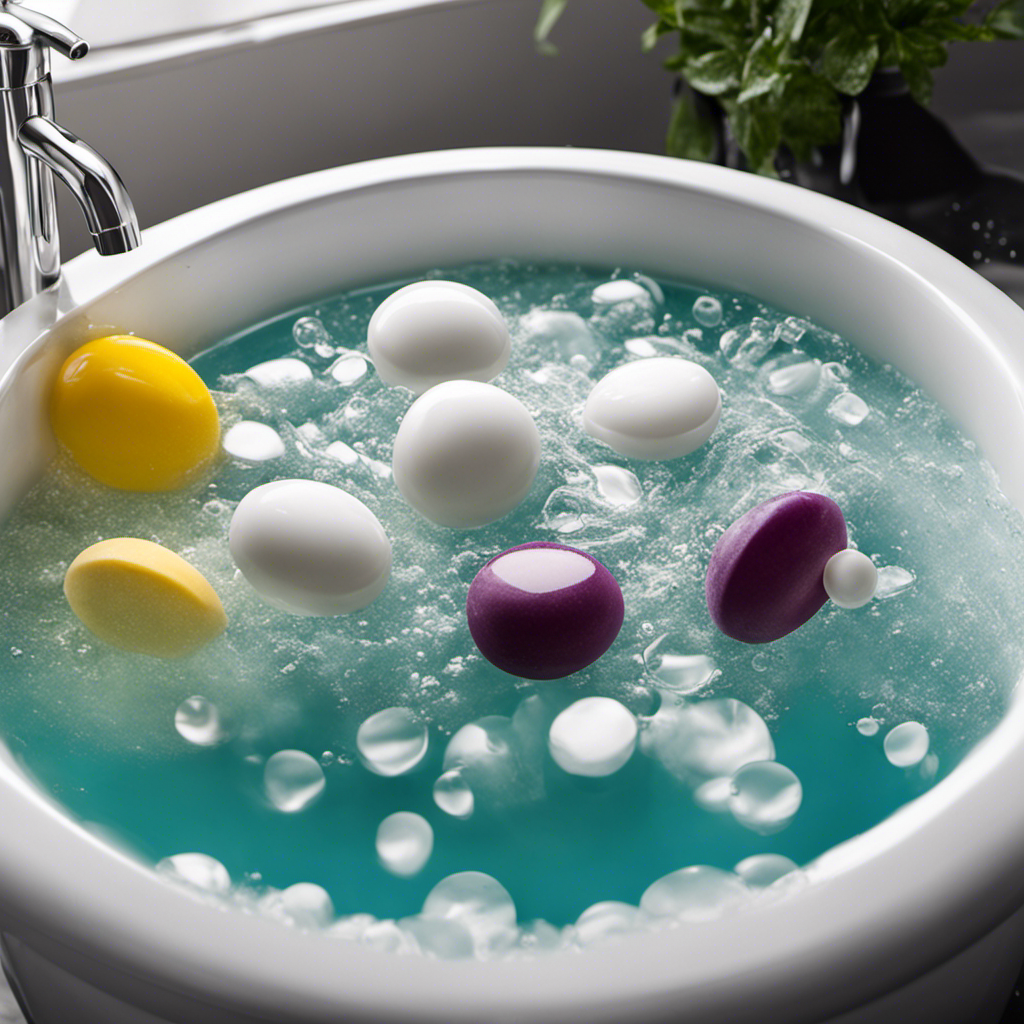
x: 93, y: 182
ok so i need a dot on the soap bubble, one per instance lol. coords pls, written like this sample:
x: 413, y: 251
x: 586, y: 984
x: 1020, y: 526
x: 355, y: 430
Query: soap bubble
x: 608, y: 920
x: 198, y: 870
x: 479, y: 903
x: 707, y: 311
x: 309, y: 331
x: 453, y: 795
x: 697, y: 893
x: 680, y: 673
x: 763, y: 869
x: 906, y: 744
x: 292, y: 780
x: 303, y: 905
x: 392, y: 742
x: 706, y: 739
x: 765, y: 796
x: 404, y: 843
x: 199, y: 721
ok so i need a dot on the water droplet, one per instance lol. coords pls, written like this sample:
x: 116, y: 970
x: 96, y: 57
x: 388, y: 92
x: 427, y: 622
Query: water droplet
x: 706, y: 739
x: 763, y: 869
x: 849, y: 409
x: 707, y: 311
x: 867, y: 726
x: 453, y: 795
x: 906, y: 744
x: 308, y: 331
x: 594, y: 737
x: 198, y: 721
x: 404, y: 843
x: 608, y: 920
x: 893, y: 580
x: 478, y: 902
x: 277, y: 372
x: 196, y: 869
x: 680, y: 673
x: 698, y: 893
x: 765, y: 796
x: 392, y: 742
x: 617, y: 486
x: 292, y: 780
x: 795, y: 379
x: 253, y: 442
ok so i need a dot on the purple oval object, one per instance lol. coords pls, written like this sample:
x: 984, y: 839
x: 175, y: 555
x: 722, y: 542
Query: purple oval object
x: 765, y: 575
x: 543, y: 610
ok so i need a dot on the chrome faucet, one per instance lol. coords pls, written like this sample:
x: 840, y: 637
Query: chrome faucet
x: 34, y: 149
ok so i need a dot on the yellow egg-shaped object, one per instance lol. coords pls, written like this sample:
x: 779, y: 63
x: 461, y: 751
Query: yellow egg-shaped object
x: 141, y: 597
x: 134, y: 415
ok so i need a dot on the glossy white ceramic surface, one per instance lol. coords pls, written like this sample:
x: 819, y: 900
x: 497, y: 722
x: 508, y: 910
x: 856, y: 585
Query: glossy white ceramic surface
x: 927, y: 890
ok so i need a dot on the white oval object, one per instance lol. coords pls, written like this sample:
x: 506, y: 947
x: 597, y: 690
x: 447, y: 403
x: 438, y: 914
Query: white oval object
x: 433, y: 331
x: 906, y: 744
x: 466, y: 454
x: 253, y: 442
x: 292, y: 780
x: 850, y: 578
x: 392, y: 742
x: 660, y: 408
x: 309, y: 548
x: 595, y: 736
x: 278, y: 372
x: 404, y: 843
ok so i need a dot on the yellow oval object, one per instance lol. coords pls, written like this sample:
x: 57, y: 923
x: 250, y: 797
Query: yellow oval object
x: 141, y: 597
x: 134, y: 415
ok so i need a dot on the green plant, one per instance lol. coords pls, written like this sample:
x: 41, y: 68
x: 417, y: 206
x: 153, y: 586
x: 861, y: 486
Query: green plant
x: 780, y: 67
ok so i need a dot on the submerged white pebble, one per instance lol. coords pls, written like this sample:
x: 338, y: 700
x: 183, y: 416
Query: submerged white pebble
x: 617, y: 486
x: 850, y: 578
x: 277, y: 372
x: 906, y: 744
x: 620, y: 290
x: 392, y: 741
x: 848, y: 409
x: 594, y: 736
x: 867, y: 726
x: 253, y: 442
x: 404, y: 843
x: 795, y: 379
x: 764, y: 796
x: 349, y: 368
x: 292, y: 780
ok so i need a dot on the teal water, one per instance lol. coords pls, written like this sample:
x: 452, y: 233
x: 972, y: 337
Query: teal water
x: 96, y: 727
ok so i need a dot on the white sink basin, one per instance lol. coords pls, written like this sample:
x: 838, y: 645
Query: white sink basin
x: 921, y: 913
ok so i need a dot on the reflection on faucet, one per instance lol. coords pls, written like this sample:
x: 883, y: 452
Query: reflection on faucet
x: 33, y: 150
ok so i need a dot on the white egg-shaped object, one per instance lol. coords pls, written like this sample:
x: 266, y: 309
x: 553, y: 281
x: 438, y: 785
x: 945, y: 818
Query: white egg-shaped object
x: 433, y: 331
x: 850, y: 578
x: 465, y: 454
x: 660, y: 408
x: 309, y: 548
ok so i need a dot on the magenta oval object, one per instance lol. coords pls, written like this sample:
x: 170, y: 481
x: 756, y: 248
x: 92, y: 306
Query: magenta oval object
x: 765, y: 575
x: 543, y: 610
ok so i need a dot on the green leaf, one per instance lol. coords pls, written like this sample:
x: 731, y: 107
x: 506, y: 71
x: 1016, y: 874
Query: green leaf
x: 713, y: 73
x: 1006, y: 19
x: 757, y: 130
x: 914, y: 70
x: 790, y: 19
x: 690, y: 135
x: 550, y: 12
x: 848, y: 61
x: 760, y: 70
x: 811, y: 114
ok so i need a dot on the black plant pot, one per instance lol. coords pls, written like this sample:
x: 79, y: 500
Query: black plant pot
x: 898, y: 160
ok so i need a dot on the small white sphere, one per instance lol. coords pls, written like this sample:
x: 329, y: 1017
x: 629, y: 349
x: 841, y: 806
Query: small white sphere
x: 659, y: 408
x: 465, y: 454
x: 850, y: 578
x: 595, y: 736
x: 404, y: 843
x: 309, y: 548
x: 433, y: 331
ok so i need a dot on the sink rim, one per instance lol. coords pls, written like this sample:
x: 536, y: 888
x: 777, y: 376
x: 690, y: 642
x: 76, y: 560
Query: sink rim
x: 948, y: 829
